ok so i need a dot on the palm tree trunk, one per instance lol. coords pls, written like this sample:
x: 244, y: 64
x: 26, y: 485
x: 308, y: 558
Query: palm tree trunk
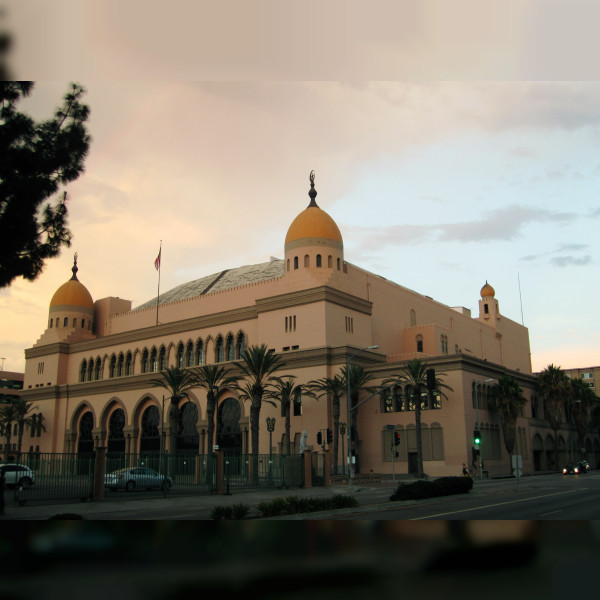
x: 287, y: 428
x: 336, y: 427
x: 210, y: 416
x: 254, y: 428
x: 418, y: 434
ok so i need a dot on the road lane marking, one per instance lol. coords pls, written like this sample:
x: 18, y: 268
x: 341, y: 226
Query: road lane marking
x: 551, y: 512
x: 497, y: 504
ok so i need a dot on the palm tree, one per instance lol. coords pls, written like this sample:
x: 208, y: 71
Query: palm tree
x: 258, y: 364
x: 8, y: 417
x: 506, y: 400
x: 286, y: 391
x: 582, y: 401
x: 335, y: 387
x: 414, y: 375
x: 210, y: 378
x: 555, y: 389
x: 359, y: 379
x: 178, y: 383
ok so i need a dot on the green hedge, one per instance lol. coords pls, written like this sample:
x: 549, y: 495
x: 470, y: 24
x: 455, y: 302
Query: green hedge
x: 444, y: 486
x: 294, y: 505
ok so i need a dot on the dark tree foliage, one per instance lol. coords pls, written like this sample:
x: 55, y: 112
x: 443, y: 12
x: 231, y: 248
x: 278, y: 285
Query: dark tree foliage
x: 36, y: 160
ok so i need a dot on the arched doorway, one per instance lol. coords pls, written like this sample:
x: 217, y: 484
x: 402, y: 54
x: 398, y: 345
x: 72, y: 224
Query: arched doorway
x: 150, y: 434
x: 115, y: 448
x: 229, y: 433
x: 187, y: 440
x: 85, y: 443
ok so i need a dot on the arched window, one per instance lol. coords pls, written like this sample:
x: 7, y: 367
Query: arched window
x: 230, y: 348
x: 90, y: 369
x: 306, y: 260
x: 97, y: 368
x: 295, y: 262
x: 149, y: 435
x: 83, y: 370
x: 74, y: 322
x: 240, y: 345
x: 330, y: 261
x: 120, y: 364
x: 154, y: 360
x: 85, y: 442
x: 486, y: 309
x: 199, y: 352
x: 112, y: 366
x: 219, y: 350
x: 162, y: 359
x: 419, y: 343
x: 116, y: 436
x: 82, y: 323
x: 145, y: 364
x: 51, y: 323
x: 413, y: 317
x: 189, y: 354
x: 66, y: 322
x: 57, y: 322
x: 288, y: 264
x: 319, y: 261
x: 128, y: 364
x: 338, y: 264
x: 180, y: 355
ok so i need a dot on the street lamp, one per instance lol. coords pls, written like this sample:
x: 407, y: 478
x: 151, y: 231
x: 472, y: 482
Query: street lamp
x: 342, y: 429
x: 477, y: 409
x: 348, y: 359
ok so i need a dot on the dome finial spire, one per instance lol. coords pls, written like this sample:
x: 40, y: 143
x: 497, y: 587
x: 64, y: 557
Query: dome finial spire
x: 74, y: 267
x: 312, y: 192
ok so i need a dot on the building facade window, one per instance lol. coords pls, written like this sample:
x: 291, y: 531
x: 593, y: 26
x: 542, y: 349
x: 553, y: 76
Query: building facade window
x: 295, y: 263
x: 319, y: 261
x: 419, y: 341
x: 349, y: 325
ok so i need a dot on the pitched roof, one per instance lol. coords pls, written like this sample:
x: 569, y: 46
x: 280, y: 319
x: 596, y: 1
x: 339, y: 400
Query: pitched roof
x: 223, y: 280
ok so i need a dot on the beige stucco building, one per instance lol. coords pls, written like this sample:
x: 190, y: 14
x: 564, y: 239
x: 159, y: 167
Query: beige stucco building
x: 90, y: 371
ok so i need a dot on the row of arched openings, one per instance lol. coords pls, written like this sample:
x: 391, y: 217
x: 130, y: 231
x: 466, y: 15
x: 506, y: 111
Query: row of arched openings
x: 153, y: 360
x: 318, y: 262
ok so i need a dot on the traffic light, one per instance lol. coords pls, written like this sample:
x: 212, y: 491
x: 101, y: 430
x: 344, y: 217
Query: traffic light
x: 329, y: 436
x: 396, y: 438
x: 430, y: 379
x: 476, y: 439
x: 319, y: 438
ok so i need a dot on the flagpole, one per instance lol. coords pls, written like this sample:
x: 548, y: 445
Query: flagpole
x: 157, y: 265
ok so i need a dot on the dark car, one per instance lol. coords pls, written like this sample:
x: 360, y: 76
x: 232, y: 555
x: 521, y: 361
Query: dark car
x: 585, y: 465
x: 574, y: 468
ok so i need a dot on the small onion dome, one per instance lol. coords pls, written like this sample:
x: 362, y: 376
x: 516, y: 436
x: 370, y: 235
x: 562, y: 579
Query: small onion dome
x: 313, y: 222
x: 487, y: 291
x: 72, y: 293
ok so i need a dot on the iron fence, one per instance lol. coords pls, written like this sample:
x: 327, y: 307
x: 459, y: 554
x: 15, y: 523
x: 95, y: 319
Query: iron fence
x: 64, y: 477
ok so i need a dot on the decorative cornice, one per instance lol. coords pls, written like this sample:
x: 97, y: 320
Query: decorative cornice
x: 318, y: 294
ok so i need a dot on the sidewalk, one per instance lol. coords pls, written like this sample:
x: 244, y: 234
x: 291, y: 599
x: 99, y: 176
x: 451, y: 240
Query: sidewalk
x: 371, y: 494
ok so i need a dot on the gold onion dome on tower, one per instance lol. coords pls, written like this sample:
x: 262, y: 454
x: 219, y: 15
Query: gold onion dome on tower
x: 487, y: 291
x: 72, y: 293
x: 313, y: 222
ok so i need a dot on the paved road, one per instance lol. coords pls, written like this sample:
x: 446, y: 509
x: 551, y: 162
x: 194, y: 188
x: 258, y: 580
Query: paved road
x: 571, y: 497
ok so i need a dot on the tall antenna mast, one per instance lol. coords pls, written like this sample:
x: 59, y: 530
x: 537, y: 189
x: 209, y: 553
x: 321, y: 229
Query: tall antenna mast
x: 520, y: 300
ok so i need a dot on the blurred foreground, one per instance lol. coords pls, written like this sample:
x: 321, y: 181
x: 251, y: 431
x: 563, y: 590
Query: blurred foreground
x: 164, y: 559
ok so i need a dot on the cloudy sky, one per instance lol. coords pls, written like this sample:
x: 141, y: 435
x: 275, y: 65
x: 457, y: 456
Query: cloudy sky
x: 436, y: 184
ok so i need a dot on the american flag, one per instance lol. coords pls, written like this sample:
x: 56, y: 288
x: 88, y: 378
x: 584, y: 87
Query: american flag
x: 157, y: 261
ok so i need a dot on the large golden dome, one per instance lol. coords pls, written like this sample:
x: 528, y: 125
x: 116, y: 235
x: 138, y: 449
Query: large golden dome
x: 487, y: 291
x: 72, y: 293
x: 313, y: 222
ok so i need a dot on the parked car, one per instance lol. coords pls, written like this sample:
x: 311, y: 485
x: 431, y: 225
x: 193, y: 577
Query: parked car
x: 17, y: 475
x: 574, y: 468
x: 136, y: 478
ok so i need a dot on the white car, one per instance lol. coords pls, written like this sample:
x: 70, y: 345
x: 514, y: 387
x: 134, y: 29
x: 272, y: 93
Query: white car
x: 136, y: 478
x: 20, y: 476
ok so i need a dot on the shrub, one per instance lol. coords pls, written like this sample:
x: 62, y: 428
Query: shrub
x: 237, y: 512
x: 293, y: 505
x: 444, y: 486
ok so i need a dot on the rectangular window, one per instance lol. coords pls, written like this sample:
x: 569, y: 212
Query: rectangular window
x: 40, y: 368
x: 285, y: 348
x: 349, y: 325
x: 587, y: 376
x: 295, y: 347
